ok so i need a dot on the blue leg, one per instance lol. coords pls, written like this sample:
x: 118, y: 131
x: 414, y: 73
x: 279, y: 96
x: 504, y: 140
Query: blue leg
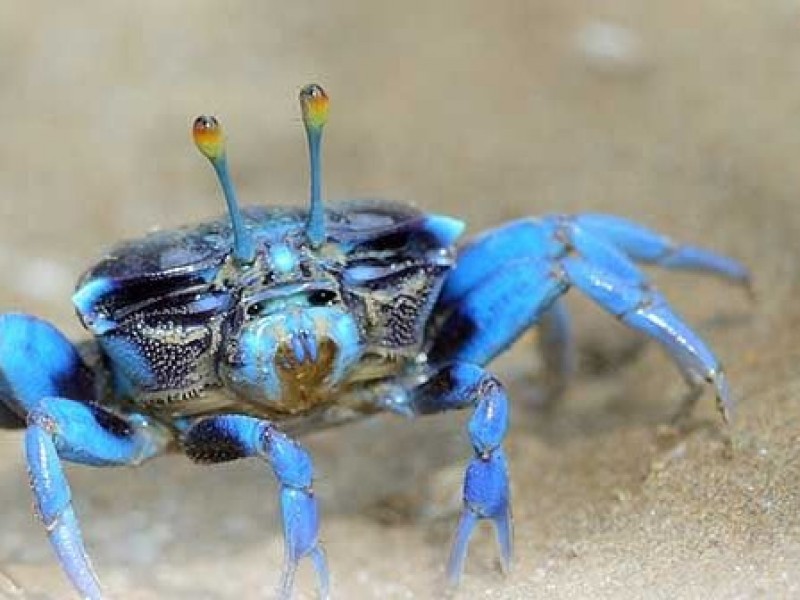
x: 644, y: 309
x: 643, y: 245
x: 556, y: 348
x: 483, y: 308
x: 485, y: 255
x: 486, y: 491
x: 59, y: 428
x: 44, y: 383
x: 37, y: 361
x: 492, y: 314
x: 228, y: 437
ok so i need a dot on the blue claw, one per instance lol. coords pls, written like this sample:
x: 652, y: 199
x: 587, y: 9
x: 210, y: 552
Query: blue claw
x: 53, y: 506
x: 63, y: 429
x: 485, y: 497
x: 486, y: 489
x: 228, y: 437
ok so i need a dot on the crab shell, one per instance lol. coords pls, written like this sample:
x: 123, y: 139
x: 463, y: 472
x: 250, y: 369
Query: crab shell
x: 165, y: 308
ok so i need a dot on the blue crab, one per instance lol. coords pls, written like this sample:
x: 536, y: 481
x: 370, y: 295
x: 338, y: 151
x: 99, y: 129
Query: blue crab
x: 230, y: 338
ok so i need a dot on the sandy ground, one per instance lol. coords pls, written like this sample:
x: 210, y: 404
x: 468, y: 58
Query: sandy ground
x: 680, y: 114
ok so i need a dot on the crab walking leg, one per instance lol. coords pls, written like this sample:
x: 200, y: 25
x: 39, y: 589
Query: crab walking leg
x: 36, y: 361
x: 645, y: 310
x: 487, y: 319
x: 62, y: 429
x: 643, y: 245
x: 228, y: 437
x: 44, y: 383
x: 557, y: 350
x: 484, y: 307
x: 489, y: 252
x: 486, y: 490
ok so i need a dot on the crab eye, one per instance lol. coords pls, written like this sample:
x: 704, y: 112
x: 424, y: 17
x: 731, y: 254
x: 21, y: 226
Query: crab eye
x: 321, y: 297
x: 255, y: 309
x: 312, y: 91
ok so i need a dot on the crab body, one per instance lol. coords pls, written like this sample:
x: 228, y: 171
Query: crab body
x: 295, y: 336
x: 227, y: 339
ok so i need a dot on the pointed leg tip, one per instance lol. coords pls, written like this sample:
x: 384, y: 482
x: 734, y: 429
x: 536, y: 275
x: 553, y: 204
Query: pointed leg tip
x: 725, y: 402
x: 505, y: 539
x: 458, y: 552
x: 320, y: 563
x: 323, y: 575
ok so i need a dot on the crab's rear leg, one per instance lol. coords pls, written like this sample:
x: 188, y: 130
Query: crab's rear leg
x: 644, y: 309
x: 556, y: 347
x: 38, y: 367
x: 492, y: 314
x: 228, y: 437
x: 561, y: 247
x: 646, y: 246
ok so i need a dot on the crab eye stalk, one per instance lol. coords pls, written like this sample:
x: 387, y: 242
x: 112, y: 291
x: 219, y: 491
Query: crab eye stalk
x: 210, y: 141
x: 314, y: 104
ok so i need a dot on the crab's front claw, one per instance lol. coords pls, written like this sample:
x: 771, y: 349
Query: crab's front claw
x: 228, y: 437
x: 485, y: 497
x: 292, y: 467
x: 486, y: 489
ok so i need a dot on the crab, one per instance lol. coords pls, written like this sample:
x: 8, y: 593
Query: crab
x: 231, y: 338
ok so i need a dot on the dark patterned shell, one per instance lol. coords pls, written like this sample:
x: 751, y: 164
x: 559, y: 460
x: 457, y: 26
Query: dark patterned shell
x: 174, y: 269
x: 201, y: 247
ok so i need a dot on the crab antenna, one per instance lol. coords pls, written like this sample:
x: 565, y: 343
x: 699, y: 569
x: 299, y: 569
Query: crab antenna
x: 314, y: 103
x: 209, y: 139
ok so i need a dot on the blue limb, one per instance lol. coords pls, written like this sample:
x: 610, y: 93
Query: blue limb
x: 643, y: 245
x: 557, y: 350
x: 63, y: 429
x: 486, y: 490
x: 228, y: 437
x: 484, y: 255
x: 482, y: 306
x: 37, y: 361
x: 644, y: 309
x: 494, y: 312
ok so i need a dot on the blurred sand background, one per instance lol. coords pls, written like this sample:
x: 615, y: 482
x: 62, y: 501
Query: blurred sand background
x: 680, y: 114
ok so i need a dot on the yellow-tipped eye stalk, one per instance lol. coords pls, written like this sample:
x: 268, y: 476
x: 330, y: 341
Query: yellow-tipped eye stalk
x: 210, y: 141
x: 208, y: 137
x: 314, y: 103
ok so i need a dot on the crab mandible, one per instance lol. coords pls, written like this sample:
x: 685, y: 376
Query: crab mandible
x: 226, y: 339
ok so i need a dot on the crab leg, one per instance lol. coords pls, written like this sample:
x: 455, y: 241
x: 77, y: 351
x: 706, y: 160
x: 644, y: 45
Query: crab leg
x: 228, y: 437
x: 36, y: 361
x: 484, y: 309
x: 646, y: 310
x: 491, y: 315
x: 643, y: 245
x: 62, y: 429
x: 557, y: 350
x: 486, y: 492
x: 44, y: 382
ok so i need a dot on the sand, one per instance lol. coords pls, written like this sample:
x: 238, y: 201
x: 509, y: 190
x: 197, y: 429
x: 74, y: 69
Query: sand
x: 681, y: 115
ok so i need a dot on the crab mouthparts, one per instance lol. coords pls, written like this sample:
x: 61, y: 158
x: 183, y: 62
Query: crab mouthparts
x: 304, y: 363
